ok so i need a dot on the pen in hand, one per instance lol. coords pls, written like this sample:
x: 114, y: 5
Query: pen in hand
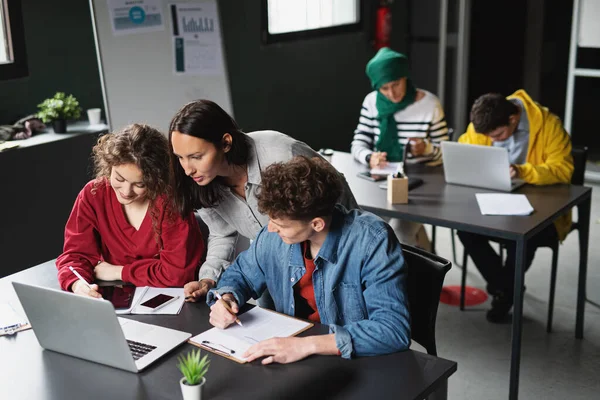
x: 92, y: 290
x: 78, y: 275
x: 237, y: 320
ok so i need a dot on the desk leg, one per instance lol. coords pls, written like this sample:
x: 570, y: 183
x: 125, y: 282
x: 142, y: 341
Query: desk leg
x: 441, y: 393
x: 583, y: 216
x: 517, y: 320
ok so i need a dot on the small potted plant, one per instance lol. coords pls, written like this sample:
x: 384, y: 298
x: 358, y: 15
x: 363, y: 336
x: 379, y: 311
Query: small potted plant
x: 193, y: 369
x: 58, y: 110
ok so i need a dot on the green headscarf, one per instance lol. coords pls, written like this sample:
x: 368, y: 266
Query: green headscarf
x: 388, y: 66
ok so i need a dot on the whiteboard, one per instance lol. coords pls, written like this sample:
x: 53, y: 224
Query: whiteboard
x: 589, y: 28
x: 137, y: 73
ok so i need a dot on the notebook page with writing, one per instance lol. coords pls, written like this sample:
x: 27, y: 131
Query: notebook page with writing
x: 389, y: 168
x: 259, y: 324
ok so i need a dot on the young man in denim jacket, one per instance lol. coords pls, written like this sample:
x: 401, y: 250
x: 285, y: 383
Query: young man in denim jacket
x: 320, y: 262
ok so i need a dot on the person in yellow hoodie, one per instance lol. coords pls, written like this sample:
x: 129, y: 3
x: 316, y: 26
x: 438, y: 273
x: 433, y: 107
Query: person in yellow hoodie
x: 539, y: 150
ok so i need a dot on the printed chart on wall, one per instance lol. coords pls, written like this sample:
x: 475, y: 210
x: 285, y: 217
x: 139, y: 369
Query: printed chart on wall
x: 135, y: 16
x: 196, y: 39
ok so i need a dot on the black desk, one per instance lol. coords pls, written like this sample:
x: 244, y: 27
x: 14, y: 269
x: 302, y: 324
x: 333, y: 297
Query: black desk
x: 456, y: 207
x: 28, y: 372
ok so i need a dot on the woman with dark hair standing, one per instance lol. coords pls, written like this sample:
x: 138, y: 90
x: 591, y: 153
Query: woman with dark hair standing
x: 217, y: 171
x: 123, y: 226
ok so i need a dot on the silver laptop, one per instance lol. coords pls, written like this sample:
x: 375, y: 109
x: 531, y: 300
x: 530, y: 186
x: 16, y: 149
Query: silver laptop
x: 88, y: 328
x: 479, y: 166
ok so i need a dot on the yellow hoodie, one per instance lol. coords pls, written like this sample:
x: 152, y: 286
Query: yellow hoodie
x: 549, y: 158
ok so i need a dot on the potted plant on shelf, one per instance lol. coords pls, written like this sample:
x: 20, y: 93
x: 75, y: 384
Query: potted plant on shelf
x: 58, y: 110
x: 193, y: 369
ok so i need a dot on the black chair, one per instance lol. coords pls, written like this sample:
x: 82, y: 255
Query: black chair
x: 426, y: 274
x: 579, y: 161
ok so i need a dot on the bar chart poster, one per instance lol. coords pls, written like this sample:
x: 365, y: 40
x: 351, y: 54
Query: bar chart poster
x: 196, y: 38
x: 136, y: 16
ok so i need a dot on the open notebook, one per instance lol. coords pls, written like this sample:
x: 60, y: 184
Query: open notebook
x: 259, y: 324
x: 146, y: 293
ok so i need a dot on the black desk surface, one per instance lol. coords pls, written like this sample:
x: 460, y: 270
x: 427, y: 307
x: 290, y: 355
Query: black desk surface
x: 453, y: 206
x: 29, y: 372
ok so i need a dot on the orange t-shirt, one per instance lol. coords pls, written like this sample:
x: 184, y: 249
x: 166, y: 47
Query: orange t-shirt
x: 304, y: 288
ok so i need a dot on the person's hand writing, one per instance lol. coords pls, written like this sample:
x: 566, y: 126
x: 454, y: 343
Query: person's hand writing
x: 378, y: 159
x: 108, y: 272
x: 82, y: 289
x: 514, y: 171
x: 195, y: 290
x: 280, y: 350
x: 220, y: 316
x: 417, y: 147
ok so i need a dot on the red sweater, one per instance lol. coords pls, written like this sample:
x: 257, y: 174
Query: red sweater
x: 97, y: 230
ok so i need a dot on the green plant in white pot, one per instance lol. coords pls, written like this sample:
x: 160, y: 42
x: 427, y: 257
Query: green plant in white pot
x: 193, y: 369
x: 58, y: 110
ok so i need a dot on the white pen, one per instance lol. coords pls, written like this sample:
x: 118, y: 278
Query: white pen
x: 79, y: 277
x: 165, y: 303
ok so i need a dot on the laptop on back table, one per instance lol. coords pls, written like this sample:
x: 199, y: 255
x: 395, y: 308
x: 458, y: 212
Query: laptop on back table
x: 479, y: 166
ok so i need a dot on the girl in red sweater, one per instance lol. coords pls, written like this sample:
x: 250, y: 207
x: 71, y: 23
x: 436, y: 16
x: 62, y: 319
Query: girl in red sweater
x: 122, y: 226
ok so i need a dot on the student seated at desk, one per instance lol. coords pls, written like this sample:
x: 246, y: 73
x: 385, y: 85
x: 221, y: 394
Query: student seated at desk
x: 320, y: 262
x: 393, y: 115
x: 539, y: 150
x: 217, y: 171
x: 122, y: 226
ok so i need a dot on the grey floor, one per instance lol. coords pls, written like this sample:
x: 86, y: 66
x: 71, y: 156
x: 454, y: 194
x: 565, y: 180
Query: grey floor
x: 554, y: 365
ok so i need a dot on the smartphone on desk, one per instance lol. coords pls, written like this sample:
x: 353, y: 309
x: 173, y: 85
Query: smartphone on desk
x: 157, y: 301
x: 373, y: 178
x: 121, y: 297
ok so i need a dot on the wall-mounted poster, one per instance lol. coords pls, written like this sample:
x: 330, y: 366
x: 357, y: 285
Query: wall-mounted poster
x: 196, y: 38
x: 135, y: 16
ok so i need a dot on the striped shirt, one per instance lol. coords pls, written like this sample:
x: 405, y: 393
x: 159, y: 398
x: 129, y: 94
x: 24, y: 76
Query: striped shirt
x: 423, y: 119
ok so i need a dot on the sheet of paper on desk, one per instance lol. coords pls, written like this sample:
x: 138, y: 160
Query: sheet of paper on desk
x: 259, y: 324
x: 9, y: 318
x: 503, y: 204
x: 389, y: 168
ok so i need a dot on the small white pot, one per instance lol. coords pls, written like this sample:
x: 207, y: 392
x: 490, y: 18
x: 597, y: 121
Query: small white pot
x: 190, y: 392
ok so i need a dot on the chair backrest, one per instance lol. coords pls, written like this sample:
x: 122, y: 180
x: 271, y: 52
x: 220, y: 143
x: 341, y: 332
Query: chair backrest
x: 454, y: 134
x: 426, y: 274
x: 579, y: 154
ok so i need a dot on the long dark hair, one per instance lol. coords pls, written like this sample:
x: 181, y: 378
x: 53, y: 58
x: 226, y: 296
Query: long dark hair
x: 205, y: 120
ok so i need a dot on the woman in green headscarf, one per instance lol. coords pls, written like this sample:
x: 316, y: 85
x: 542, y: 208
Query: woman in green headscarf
x: 393, y: 115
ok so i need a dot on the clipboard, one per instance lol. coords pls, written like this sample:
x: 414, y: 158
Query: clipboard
x: 258, y: 322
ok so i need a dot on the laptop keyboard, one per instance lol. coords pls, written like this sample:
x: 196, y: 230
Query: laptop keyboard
x: 139, y: 350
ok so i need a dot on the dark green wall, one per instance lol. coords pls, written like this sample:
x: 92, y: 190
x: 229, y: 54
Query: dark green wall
x: 310, y: 89
x: 61, y: 56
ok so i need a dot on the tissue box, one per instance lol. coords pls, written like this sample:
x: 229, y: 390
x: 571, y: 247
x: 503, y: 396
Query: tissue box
x: 397, y: 190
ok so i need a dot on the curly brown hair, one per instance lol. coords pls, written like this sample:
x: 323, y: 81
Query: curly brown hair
x: 301, y: 189
x: 143, y: 146
x: 491, y: 111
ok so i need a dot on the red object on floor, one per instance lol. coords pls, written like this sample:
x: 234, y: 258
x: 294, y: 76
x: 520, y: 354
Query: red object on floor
x: 473, y: 296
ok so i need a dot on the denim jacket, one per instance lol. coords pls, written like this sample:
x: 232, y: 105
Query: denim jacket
x: 235, y: 216
x: 359, y: 281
